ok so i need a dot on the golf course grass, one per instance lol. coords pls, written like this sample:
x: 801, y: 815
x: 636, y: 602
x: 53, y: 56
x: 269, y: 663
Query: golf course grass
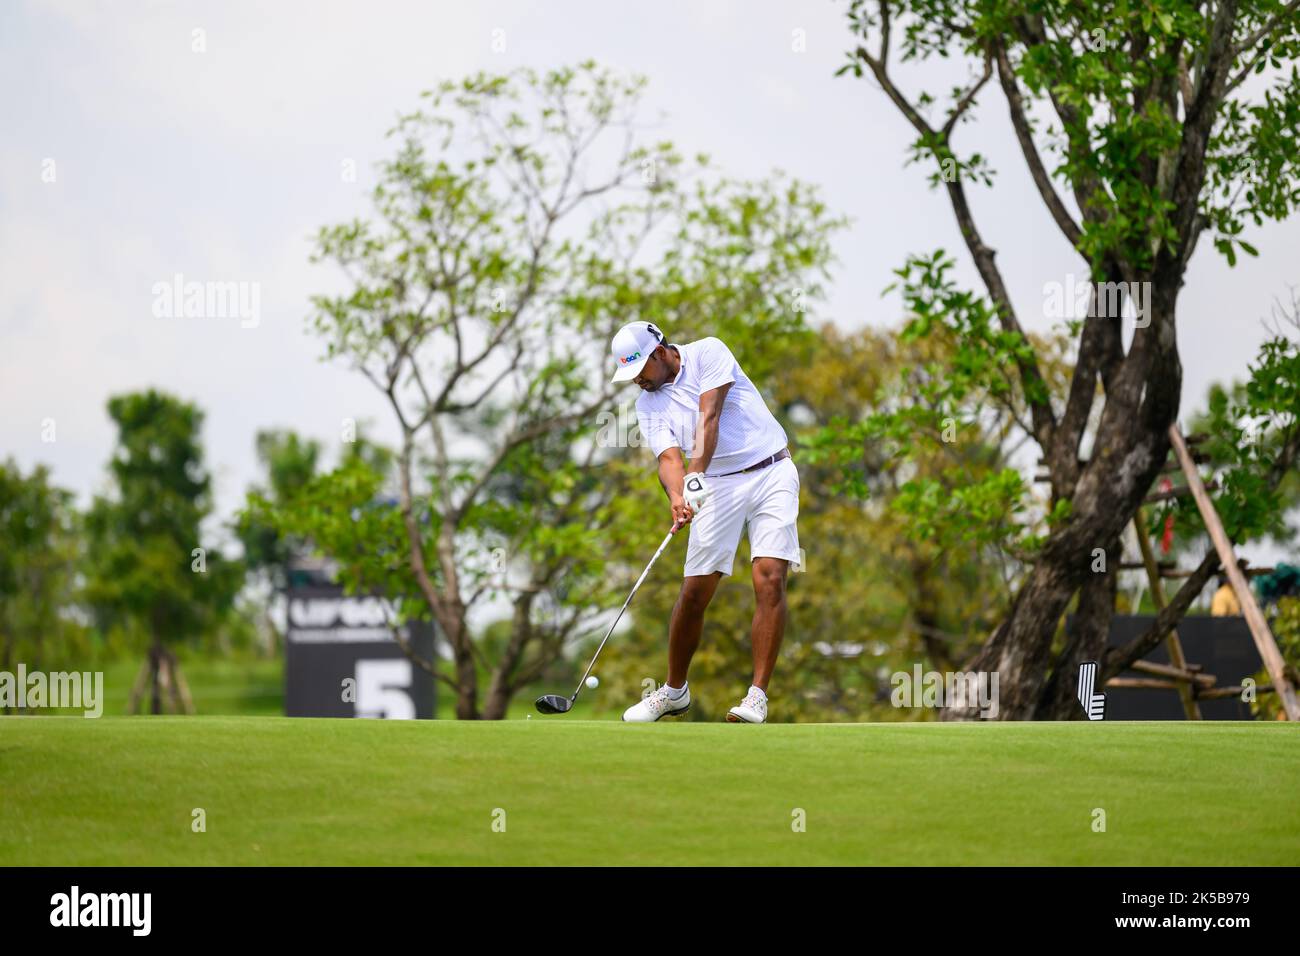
x: 122, y: 791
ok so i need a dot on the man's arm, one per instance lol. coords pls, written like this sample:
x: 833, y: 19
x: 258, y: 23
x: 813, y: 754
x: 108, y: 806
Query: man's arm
x: 672, y: 473
x: 706, y: 430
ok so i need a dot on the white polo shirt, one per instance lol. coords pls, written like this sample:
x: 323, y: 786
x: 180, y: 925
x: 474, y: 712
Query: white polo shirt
x: 747, y: 431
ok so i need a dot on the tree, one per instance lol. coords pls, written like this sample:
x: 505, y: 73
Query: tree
x: 39, y: 528
x: 1244, y: 440
x: 292, y: 463
x: 522, y: 220
x: 148, y: 571
x: 1286, y: 629
x: 1249, y: 427
x: 1158, y: 141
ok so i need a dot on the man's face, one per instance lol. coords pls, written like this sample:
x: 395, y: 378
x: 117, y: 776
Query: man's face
x: 655, y: 371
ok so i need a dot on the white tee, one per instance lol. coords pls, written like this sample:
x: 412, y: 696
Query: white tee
x: 747, y: 431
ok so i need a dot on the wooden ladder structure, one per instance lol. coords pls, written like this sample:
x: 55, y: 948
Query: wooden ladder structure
x: 1179, y: 674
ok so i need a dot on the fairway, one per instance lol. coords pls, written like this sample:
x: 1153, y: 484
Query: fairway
x: 317, y: 792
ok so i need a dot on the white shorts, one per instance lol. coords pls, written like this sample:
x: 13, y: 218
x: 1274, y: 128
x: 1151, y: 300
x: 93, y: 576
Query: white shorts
x: 766, y: 500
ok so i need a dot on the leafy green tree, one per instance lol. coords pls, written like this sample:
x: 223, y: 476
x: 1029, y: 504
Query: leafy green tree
x: 292, y: 463
x: 1286, y: 629
x: 1142, y: 135
x: 38, y: 557
x: 1252, y: 430
x: 523, y: 219
x: 148, y: 571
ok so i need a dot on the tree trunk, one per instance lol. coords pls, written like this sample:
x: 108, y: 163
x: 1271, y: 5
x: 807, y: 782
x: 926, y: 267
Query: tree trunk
x: 1019, y: 649
x: 466, y: 670
x: 182, y: 700
x: 445, y: 604
x: 155, y: 676
x: 466, y: 688
x: 1129, y: 450
x: 137, y: 689
x: 497, y: 702
x: 1085, y: 642
x: 501, y: 690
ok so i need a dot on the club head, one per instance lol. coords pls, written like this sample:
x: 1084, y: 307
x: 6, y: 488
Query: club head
x: 553, y: 704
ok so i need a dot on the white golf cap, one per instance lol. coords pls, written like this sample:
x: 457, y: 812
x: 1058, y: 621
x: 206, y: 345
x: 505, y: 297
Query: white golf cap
x: 632, y: 347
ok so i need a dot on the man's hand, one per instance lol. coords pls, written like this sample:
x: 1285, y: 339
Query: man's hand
x: 695, y: 491
x: 672, y: 471
x: 682, y: 515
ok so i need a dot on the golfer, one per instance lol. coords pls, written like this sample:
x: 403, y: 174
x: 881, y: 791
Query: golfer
x: 696, y: 398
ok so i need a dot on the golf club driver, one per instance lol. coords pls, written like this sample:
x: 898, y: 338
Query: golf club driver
x: 556, y: 704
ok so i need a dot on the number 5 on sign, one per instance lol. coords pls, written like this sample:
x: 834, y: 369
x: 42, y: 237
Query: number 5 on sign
x: 382, y: 687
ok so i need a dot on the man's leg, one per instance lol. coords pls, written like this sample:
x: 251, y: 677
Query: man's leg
x: 688, y: 623
x: 769, y: 616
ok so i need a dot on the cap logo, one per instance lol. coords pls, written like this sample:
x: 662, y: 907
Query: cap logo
x: 631, y: 358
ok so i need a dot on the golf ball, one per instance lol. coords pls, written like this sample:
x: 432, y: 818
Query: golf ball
x: 592, y: 682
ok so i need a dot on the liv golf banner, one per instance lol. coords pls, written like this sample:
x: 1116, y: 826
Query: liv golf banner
x: 341, y: 659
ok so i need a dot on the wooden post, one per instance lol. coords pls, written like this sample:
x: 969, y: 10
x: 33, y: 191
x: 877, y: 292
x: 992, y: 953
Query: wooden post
x: 1141, y: 683
x: 1186, y: 693
x: 165, y: 683
x: 137, y: 689
x: 1264, y: 641
x: 1235, y: 691
x: 187, y: 699
x: 1173, y: 673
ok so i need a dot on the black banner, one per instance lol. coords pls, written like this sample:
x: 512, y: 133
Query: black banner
x: 302, y: 905
x: 341, y: 659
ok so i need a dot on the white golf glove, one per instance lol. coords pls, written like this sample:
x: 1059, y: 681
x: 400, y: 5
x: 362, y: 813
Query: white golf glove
x: 695, y: 492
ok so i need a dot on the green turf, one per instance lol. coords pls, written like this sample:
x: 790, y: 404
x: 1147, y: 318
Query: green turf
x: 279, y: 791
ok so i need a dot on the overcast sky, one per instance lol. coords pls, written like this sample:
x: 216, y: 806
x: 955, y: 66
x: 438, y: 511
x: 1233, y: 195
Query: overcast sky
x: 127, y: 157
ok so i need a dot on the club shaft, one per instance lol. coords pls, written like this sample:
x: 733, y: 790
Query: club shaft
x: 668, y: 537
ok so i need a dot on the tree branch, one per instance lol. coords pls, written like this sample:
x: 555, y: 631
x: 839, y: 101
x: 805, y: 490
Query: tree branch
x: 1118, y: 659
x: 1189, y: 167
x: 1031, y: 378
x: 968, y: 99
x: 1269, y: 26
x: 1024, y: 135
